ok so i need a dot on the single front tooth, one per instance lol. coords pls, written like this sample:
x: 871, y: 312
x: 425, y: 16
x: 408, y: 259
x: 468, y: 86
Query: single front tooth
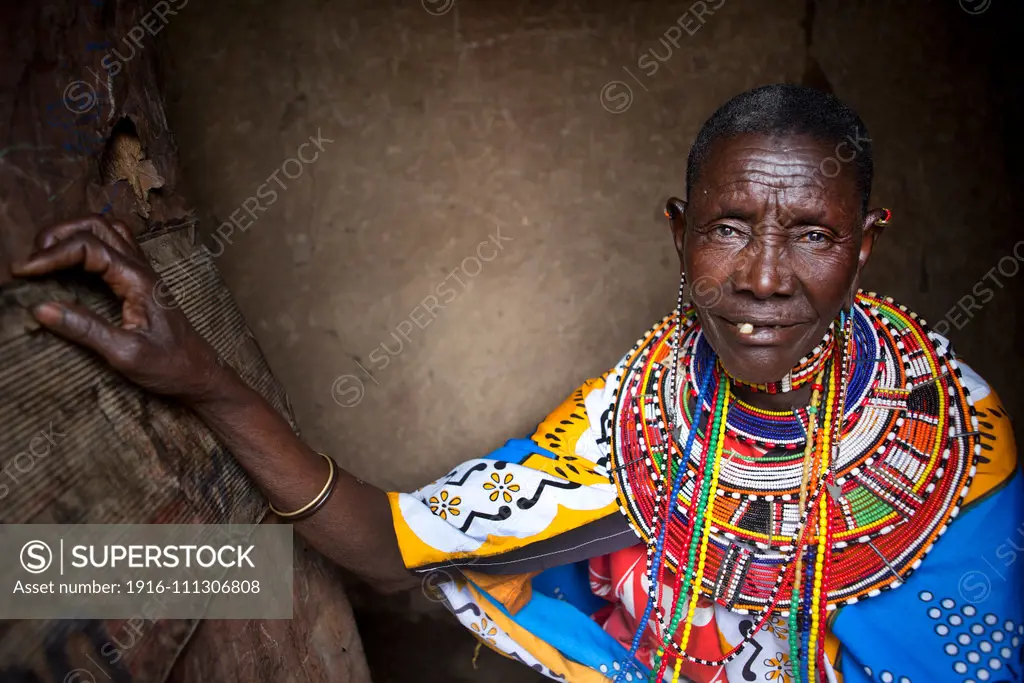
x: 745, y: 328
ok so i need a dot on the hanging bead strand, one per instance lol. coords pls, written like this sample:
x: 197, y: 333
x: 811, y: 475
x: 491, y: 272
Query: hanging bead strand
x: 827, y: 504
x: 656, y: 554
x: 718, y: 435
x: 693, y: 534
x: 829, y: 442
x: 809, y: 448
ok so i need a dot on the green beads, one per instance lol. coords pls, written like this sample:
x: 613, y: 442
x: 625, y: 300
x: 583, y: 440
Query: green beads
x: 698, y: 521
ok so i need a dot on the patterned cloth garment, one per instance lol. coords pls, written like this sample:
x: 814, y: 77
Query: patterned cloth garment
x: 542, y: 548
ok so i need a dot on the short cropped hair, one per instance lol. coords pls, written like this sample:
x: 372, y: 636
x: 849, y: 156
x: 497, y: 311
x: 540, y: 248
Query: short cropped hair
x: 785, y: 109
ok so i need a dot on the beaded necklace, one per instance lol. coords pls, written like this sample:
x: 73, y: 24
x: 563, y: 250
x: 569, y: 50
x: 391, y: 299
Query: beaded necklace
x: 696, y: 535
x: 743, y: 531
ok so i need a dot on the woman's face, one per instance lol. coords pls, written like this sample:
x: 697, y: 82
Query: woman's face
x: 769, y: 239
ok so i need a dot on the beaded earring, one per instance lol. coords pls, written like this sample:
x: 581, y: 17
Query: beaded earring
x: 670, y: 213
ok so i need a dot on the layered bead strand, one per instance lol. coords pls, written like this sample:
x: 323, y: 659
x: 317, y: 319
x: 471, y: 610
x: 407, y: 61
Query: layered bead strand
x: 698, y: 533
x: 717, y: 443
x: 703, y: 514
x: 655, y: 551
x: 824, y: 453
x: 697, y: 529
x: 809, y: 450
x: 844, y: 352
x: 805, y: 608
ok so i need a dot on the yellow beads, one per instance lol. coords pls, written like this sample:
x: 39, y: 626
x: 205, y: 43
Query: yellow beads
x: 698, y: 579
x: 819, y: 557
x: 819, y: 569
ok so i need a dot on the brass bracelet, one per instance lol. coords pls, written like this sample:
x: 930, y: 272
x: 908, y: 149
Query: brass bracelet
x: 317, y: 502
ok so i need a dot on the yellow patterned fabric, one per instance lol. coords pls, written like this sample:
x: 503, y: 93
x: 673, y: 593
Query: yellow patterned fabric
x: 488, y: 506
x: 998, y: 458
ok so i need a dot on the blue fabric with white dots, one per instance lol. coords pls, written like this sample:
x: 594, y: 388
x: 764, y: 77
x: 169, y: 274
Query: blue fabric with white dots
x: 960, y: 616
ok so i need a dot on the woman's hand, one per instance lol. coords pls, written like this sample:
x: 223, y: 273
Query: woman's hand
x: 155, y: 346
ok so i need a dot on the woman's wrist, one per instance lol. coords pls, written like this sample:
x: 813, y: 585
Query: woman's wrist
x: 218, y: 384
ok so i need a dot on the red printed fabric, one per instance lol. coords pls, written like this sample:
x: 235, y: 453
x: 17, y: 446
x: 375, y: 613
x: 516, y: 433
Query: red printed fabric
x: 620, y: 578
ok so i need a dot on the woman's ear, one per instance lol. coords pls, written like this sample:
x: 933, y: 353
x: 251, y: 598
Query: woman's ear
x: 875, y: 222
x: 675, y: 211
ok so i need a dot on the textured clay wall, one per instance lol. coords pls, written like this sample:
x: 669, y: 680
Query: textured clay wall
x: 437, y: 126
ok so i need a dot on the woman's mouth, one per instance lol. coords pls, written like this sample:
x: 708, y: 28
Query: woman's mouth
x: 760, y: 332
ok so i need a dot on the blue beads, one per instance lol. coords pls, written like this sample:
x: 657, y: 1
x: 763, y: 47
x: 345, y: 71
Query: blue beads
x: 660, y: 544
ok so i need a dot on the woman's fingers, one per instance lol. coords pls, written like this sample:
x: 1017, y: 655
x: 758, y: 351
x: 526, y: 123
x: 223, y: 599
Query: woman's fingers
x: 89, y: 252
x: 80, y: 325
x: 130, y: 280
x: 115, y: 234
x: 126, y: 234
x: 154, y: 346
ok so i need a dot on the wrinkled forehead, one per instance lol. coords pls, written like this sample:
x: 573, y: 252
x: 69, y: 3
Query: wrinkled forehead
x: 753, y: 174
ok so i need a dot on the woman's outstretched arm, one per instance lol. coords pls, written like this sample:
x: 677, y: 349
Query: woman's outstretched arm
x: 156, y: 348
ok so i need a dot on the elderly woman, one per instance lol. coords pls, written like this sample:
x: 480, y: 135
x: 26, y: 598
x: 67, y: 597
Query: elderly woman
x: 756, y: 491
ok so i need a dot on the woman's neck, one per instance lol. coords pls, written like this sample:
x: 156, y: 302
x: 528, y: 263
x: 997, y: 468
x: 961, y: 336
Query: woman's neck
x: 798, y: 398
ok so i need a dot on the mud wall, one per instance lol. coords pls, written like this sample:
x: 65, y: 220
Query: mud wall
x: 408, y: 335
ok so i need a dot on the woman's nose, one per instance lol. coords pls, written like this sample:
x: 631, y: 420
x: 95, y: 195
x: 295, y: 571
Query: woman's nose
x: 763, y: 270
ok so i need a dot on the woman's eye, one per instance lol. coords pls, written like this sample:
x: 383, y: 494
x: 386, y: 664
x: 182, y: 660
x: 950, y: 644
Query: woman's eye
x: 725, y: 230
x: 816, y: 236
